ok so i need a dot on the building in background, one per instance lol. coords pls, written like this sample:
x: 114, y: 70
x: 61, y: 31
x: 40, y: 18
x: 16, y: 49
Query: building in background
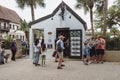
x: 9, y: 23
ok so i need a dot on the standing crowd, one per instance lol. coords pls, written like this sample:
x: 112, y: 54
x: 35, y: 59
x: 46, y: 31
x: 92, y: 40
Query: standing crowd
x: 13, y: 48
x: 3, y: 56
x: 94, y: 50
x: 40, y: 52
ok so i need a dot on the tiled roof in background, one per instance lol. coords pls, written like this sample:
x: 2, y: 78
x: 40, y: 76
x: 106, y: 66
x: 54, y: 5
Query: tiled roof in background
x: 8, y: 14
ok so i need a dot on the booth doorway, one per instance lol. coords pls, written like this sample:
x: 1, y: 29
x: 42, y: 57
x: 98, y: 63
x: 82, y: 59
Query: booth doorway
x: 63, y: 31
x: 66, y: 33
x: 74, y: 50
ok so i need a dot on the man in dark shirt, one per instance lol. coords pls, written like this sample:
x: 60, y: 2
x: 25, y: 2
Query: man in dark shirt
x: 13, y: 47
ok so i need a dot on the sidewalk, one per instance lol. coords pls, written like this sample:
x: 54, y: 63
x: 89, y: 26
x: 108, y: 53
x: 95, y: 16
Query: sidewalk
x: 23, y: 69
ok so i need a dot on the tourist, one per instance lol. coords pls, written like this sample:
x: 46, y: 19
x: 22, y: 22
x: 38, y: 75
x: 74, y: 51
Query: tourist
x: 60, y: 53
x: 100, y: 46
x: 2, y: 53
x: 43, y: 55
x: 37, y: 52
x: 86, y: 54
x: 55, y: 52
x: 92, y: 50
x: 24, y: 48
x: 13, y: 47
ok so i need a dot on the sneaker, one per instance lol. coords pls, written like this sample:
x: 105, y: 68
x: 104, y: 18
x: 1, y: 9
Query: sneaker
x: 62, y: 65
x: 33, y: 63
x: 86, y: 63
x: 101, y: 62
x: 37, y: 64
x: 2, y: 63
x: 59, y: 67
x: 56, y: 60
x: 97, y: 62
x: 90, y: 62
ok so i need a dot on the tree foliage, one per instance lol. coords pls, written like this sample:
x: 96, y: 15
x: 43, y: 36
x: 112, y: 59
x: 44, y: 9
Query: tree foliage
x: 23, y: 3
x: 30, y: 3
x: 24, y: 27
x: 113, y: 17
x: 88, y: 5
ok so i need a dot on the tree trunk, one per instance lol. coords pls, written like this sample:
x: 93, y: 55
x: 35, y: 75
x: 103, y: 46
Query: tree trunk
x: 114, y: 34
x: 32, y: 12
x: 91, y: 18
x: 27, y: 35
x: 105, y: 16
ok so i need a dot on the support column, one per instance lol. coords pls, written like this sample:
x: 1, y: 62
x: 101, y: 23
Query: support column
x: 31, y: 42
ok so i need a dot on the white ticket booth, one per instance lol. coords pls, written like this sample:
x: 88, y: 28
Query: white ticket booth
x: 63, y: 20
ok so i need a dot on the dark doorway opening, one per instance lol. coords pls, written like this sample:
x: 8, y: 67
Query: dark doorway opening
x: 63, y: 31
x: 66, y: 33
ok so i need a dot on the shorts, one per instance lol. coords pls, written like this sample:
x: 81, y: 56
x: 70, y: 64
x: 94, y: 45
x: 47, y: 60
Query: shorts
x: 92, y: 52
x: 100, y: 51
x: 60, y: 54
x: 84, y: 56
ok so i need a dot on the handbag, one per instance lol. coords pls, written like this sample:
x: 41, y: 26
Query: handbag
x: 54, y: 53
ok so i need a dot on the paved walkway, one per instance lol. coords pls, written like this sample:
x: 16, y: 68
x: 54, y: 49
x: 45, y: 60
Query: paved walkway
x: 23, y: 69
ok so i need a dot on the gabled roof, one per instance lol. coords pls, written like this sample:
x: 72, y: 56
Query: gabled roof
x: 8, y: 14
x: 56, y: 10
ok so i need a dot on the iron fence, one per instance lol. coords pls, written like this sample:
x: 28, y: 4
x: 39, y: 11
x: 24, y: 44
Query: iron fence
x: 113, y: 44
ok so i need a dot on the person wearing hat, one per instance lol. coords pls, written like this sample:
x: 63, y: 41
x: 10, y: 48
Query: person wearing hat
x: 60, y: 43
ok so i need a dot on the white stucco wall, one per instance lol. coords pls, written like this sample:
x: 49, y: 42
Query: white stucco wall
x: 50, y: 25
x: 17, y: 33
x: 12, y: 31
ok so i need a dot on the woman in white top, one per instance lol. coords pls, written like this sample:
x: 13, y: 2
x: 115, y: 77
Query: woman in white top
x: 37, y: 49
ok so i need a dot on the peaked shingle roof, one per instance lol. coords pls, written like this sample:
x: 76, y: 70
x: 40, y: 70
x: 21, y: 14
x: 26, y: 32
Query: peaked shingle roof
x: 8, y: 14
x: 56, y: 10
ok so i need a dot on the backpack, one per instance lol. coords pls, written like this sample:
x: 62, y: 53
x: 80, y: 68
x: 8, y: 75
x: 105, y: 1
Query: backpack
x: 59, y: 48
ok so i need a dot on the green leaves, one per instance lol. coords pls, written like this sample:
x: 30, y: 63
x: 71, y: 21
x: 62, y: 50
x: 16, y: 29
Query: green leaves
x: 23, y: 3
x: 113, y: 16
x: 30, y: 3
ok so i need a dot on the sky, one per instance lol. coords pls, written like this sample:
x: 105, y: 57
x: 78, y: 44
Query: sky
x: 51, y: 5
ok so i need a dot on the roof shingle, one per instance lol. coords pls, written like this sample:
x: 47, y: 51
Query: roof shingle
x: 8, y: 14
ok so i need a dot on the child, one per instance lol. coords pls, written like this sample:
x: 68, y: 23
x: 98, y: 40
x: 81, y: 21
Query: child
x: 92, y: 50
x: 43, y: 56
x: 86, y: 55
